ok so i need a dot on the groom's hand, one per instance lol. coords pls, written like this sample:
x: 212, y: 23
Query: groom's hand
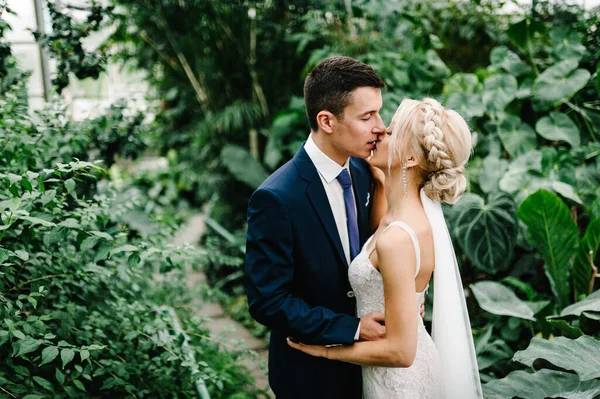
x: 372, y: 326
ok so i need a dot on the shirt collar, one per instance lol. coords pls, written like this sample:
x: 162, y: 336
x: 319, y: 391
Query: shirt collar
x: 326, y: 166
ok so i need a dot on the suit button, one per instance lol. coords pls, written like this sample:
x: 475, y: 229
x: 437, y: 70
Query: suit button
x: 350, y: 294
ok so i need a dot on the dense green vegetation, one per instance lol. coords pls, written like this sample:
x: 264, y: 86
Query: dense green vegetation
x: 83, y: 314
x: 228, y: 79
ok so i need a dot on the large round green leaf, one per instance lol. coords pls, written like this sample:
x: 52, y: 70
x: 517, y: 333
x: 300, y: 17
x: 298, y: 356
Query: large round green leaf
x: 462, y: 83
x: 558, y: 84
x: 500, y: 90
x: 242, y: 166
x: 541, y: 385
x: 466, y: 104
x: 486, y: 232
x: 553, y: 232
x: 497, y: 299
x: 558, y: 127
x: 502, y: 57
x: 490, y: 174
x: 566, y: 43
x: 517, y: 137
x: 536, y: 170
x: 580, y: 355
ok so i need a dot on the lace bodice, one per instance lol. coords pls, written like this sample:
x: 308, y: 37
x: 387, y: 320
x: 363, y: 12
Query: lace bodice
x: 417, y: 381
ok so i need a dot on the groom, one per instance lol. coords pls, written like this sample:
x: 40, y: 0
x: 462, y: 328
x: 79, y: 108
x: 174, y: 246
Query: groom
x: 306, y: 223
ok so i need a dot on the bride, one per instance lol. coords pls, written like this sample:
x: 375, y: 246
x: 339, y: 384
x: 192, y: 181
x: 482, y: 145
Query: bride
x: 422, y: 158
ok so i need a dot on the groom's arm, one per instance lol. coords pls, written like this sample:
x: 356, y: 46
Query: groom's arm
x: 269, y: 273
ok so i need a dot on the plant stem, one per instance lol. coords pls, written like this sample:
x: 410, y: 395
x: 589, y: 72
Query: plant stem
x: 37, y: 279
x: 530, y: 54
x: 8, y: 392
x: 199, y: 90
x: 594, y: 271
x: 586, y: 118
x: 348, y: 4
x: 170, y: 61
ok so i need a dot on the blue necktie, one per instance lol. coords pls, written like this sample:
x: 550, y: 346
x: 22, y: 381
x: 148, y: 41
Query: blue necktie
x: 344, y: 179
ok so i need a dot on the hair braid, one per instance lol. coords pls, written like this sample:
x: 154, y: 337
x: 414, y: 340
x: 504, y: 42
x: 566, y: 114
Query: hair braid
x: 446, y: 181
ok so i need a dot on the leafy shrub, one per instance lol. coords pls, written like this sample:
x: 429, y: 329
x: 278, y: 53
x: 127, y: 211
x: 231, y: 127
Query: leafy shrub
x: 82, y: 313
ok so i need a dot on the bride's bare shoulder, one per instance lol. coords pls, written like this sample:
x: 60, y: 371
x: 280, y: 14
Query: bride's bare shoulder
x: 394, y: 239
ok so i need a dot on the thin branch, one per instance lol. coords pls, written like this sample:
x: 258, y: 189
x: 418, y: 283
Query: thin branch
x: 200, y: 92
x: 594, y: 271
x: 158, y: 343
x: 8, y: 392
x: 156, y: 47
x: 16, y: 287
x: 353, y: 35
x: 258, y: 91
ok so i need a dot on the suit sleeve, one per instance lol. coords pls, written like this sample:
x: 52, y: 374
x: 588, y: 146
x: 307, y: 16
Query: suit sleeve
x: 269, y: 272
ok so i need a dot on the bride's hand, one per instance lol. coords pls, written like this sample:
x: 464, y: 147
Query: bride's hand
x: 313, y: 350
x: 378, y: 174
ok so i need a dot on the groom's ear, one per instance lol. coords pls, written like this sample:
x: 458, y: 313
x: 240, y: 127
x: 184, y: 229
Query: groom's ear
x: 326, y: 120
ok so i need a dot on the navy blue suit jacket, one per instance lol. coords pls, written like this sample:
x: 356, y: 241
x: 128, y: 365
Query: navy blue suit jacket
x: 297, y: 277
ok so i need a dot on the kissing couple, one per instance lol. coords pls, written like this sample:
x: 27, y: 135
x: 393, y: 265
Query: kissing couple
x: 344, y: 239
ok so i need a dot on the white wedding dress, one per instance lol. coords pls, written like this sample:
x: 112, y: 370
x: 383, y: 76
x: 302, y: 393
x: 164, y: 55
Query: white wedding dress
x: 422, y: 378
x: 446, y: 369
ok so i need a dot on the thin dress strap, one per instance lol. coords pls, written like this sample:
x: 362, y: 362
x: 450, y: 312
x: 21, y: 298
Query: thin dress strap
x: 413, y: 237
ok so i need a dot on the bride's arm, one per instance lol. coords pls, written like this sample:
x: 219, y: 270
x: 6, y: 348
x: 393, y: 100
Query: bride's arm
x: 379, y: 201
x: 397, y: 260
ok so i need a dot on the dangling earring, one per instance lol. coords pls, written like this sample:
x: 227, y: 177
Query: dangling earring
x: 404, y: 180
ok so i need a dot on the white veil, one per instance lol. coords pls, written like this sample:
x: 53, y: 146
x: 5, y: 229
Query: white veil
x: 451, y: 328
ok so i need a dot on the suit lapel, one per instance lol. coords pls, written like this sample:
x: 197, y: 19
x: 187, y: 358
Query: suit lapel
x: 360, y: 184
x: 318, y: 198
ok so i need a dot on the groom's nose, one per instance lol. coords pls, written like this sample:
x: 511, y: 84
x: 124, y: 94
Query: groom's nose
x: 379, y: 128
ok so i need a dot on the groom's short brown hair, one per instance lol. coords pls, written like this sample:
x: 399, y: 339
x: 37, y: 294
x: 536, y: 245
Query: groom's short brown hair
x: 329, y: 85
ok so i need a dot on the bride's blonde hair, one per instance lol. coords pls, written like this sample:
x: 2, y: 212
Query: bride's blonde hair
x: 439, y: 140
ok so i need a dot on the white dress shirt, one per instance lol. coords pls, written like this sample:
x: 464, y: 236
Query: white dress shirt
x: 328, y: 172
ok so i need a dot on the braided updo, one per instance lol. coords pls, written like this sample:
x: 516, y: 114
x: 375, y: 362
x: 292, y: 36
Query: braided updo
x: 439, y: 140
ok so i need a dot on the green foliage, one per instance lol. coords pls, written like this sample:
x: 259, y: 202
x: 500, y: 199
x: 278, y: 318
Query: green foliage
x: 497, y: 299
x: 589, y: 304
x: 242, y: 166
x: 486, y: 232
x: 586, y: 253
x: 551, y: 229
x: 577, y: 355
x: 65, y: 43
x: 567, y: 354
x: 228, y: 77
x: 81, y: 309
x: 117, y: 133
x: 9, y: 74
x: 543, y: 384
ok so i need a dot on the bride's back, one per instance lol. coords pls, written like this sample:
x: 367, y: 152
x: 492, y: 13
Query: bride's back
x: 416, y: 219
